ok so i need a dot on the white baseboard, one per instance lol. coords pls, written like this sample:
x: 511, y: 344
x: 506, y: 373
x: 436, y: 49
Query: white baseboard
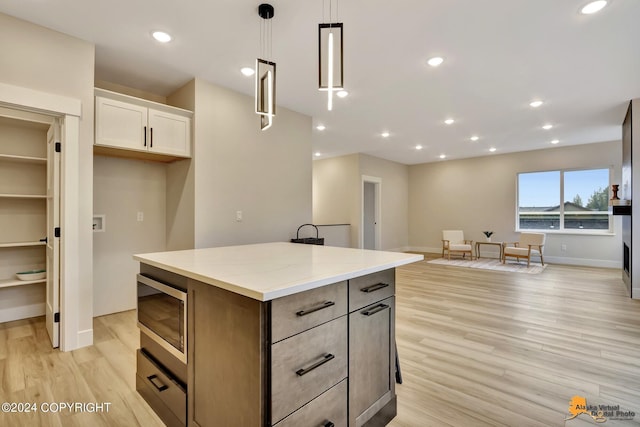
x: 583, y: 262
x: 21, y: 312
x: 85, y: 338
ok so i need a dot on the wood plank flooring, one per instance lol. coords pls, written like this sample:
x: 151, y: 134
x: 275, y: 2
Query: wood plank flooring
x: 477, y: 348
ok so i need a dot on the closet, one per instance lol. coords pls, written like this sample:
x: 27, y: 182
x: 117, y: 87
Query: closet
x: 29, y: 215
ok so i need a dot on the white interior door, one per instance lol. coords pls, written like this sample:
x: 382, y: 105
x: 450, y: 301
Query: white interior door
x: 369, y: 216
x: 53, y: 234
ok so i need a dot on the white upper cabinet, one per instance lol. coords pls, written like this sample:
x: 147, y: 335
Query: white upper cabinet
x: 128, y: 123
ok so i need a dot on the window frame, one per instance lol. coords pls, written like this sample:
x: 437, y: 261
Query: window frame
x: 561, y: 229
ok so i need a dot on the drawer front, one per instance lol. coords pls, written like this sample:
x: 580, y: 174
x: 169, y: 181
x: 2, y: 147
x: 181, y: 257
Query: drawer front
x: 306, y: 365
x: 366, y: 290
x: 162, y: 386
x: 330, y: 408
x: 293, y: 314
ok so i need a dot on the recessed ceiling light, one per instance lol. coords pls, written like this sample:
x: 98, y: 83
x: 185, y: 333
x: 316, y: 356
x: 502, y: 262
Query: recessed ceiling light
x: 492, y: 149
x: 443, y: 156
x: 418, y: 147
x: 161, y: 36
x: 547, y: 126
x: 593, y: 7
x: 535, y: 104
x: 247, y: 71
x: 385, y: 134
x: 555, y: 141
x: 317, y: 154
x: 474, y: 138
x: 342, y: 93
x: 449, y: 121
x: 435, y: 61
x: 320, y: 127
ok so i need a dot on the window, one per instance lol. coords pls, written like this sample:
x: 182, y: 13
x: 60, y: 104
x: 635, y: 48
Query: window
x: 585, y: 196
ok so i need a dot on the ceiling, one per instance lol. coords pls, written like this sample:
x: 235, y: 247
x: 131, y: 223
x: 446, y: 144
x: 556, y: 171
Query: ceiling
x: 499, y: 55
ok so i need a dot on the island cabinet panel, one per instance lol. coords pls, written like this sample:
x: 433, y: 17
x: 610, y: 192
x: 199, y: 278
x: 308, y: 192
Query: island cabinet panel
x: 372, y: 360
x: 365, y: 290
x: 307, y: 365
x: 296, y: 313
x: 227, y: 361
x: 330, y: 408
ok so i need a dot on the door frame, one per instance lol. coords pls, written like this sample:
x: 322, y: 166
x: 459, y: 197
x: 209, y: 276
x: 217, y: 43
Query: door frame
x: 69, y: 111
x: 378, y: 210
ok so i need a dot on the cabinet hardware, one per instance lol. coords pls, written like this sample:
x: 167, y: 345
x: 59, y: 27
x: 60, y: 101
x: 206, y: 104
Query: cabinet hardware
x: 153, y: 379
x: 374, y: 288
x: 324, y: 360
x: 328, y: 424
x: 322, y: 306
x: 45, y: 240
x: 376, y: 309
x: 145, y: 136
x: 57, y: 147
x: 151, y: 132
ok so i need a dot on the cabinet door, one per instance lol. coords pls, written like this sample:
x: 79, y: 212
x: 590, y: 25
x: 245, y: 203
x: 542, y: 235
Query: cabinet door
x: 120, y: 124
x: 371, y: 355
x: 169, y: 133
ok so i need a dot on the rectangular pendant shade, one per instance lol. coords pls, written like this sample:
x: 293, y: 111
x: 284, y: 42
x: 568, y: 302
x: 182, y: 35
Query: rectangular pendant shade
x: 330, y: 69
x: 265, y: 92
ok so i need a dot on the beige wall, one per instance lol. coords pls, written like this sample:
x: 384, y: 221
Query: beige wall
x: 480, y: 193
x: 48, y: 61
x: 394, y: 199
x: 237, y: 167
x: 336, y: 189
x: 122, y: 188
x: 337, y: 196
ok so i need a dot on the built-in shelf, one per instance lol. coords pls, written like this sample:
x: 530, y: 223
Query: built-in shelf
x: 21, y: 244
x: 23, y: 159
x: 620, y: 210
x: 22, y: 196
x: 8, y: 283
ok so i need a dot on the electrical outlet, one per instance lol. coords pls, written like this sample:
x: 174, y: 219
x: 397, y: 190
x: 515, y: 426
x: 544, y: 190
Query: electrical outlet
x: 239, y: 216
x: 140, y: 216
x: 563, y: 247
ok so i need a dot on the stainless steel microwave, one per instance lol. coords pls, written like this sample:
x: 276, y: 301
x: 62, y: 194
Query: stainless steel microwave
x: 162, y: 315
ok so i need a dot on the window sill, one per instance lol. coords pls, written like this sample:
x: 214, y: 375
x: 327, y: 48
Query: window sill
x: 570, y: 232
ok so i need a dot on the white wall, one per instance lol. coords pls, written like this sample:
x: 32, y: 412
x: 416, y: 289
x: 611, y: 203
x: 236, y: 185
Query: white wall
x: 122, y: 188
x: 480, y: 194
x: 38, y: 58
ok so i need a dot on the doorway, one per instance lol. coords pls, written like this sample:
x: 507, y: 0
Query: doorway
x: 371, y: 215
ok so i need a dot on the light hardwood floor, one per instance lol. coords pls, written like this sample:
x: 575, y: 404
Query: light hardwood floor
x: 477, y: 348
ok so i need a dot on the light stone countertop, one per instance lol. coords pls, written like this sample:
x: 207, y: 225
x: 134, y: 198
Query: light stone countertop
x: 268, y: 271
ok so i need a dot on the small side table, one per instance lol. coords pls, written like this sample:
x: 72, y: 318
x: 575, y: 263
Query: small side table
x: 478, y: 243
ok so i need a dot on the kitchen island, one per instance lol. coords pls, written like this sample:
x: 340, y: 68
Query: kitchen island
x: 278, y: 334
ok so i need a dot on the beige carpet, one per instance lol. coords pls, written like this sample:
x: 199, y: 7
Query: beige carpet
x: 493, y: 264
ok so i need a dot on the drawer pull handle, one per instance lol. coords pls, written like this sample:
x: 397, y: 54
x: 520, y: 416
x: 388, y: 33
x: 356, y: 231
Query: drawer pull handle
x: 374, y: 288
x: 145, y: 136
x: 153, y: 379
x: 316, y: 308
x: 151, y: 132
x: 376, y: 309
x: 328, y: 424
x: 324, y: 360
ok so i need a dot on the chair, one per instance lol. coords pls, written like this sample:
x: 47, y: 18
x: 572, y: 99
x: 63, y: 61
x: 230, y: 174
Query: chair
x: 454, y: 241
x: 530, y: 244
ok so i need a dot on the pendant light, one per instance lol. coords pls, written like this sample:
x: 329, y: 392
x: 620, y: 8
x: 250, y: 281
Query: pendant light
x: 330, y: 57
x: 265, y: 93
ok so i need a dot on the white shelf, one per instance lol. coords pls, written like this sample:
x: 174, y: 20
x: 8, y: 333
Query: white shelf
x: 23, y: 159
x: 21, y: 244
x: 22, y: 196
x: 8, y: 283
